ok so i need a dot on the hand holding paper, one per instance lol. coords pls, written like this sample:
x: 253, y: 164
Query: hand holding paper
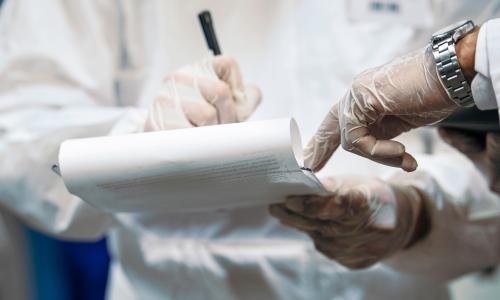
x: 362, y: 221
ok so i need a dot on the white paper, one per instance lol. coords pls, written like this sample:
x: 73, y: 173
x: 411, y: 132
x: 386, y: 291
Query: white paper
x: 204, y: 168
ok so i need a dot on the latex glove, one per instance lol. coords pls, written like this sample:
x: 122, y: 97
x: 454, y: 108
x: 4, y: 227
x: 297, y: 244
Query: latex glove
x: 205, y: 93
x: 482, y: 148
x: 382, y: 103
x: 363, y: 221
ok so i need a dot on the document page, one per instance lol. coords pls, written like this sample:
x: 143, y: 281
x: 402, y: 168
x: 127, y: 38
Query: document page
x: 202, y: 168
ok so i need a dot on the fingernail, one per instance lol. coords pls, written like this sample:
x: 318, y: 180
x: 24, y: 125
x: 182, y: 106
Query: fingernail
x: 295, y: 204
x: 409, y: 165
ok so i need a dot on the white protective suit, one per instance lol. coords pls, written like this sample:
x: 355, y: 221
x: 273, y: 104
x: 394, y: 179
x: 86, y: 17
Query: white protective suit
x: 486, y: 84
x: 88, y: 68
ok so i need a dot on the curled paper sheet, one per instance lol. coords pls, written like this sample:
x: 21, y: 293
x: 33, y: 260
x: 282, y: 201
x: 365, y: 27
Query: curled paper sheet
x: 203, y: 168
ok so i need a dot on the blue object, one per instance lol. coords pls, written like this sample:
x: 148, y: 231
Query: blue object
x: 67, y: 270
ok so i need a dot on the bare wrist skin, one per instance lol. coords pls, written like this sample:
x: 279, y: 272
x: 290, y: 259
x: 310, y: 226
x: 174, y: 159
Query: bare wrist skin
x: 466, y: 53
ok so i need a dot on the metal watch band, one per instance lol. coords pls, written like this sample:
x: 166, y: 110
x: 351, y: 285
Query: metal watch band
x: 450, y: 73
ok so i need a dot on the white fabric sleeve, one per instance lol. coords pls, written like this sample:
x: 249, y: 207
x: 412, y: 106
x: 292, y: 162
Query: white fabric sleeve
x: 56, y: 82
x: 486, y: 84
x: 464, y: 216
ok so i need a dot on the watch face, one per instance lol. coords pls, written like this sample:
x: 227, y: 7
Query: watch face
x: 461, y: 28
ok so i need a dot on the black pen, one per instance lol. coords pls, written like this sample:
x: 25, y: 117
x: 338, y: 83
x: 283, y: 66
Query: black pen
x: 207, y: 25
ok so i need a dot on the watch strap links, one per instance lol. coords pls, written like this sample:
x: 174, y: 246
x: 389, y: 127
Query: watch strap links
x: 450, y: 73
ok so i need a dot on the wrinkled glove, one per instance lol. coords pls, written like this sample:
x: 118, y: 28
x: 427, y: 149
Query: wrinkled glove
x: 382, y: 103
x: 482, y: 148
x: 363, y: 221
x: 205, y: 93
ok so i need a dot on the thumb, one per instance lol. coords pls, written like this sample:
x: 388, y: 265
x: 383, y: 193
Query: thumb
x: 247, y: 102
x: 324, y: 142
x: 246, y: 98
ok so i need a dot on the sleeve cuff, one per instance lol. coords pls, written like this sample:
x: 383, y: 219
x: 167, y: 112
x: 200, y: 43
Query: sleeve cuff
x: 486, y: 84
x: 483, y: 93
x: 482, y: 88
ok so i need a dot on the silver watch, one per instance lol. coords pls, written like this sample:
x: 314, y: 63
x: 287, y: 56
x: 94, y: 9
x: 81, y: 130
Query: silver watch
x: 450, y: 74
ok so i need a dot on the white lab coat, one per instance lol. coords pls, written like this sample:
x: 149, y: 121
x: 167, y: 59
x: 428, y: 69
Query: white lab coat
x: 89, y: 68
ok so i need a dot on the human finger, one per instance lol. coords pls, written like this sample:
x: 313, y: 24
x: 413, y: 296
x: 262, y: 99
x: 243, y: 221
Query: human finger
x: 324, y: 142
x: 291, y: 219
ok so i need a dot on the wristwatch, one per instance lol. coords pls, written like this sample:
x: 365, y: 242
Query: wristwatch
x: 450, y: 74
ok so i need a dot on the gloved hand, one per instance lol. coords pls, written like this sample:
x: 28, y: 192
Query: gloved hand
x: 363, y: 221
x: 382, y: 103
x: 482, y: 149
x: 205, y: 93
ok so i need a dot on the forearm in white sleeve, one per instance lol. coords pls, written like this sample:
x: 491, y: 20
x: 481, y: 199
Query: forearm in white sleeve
x: 486, y: 84
x: 56, y: 82
x: 464, y: 219
x: 29, y: 146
